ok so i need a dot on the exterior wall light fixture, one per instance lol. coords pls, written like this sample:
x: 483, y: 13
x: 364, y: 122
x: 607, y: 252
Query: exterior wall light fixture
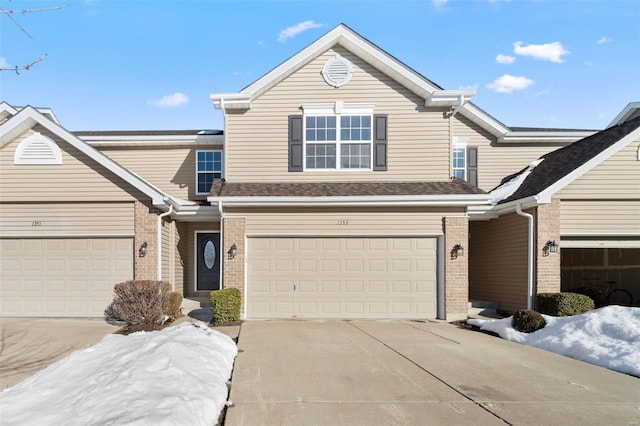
x: 233, y: 251
x: 456, y: 251
x: 550, y: 247
x: 142, y: 251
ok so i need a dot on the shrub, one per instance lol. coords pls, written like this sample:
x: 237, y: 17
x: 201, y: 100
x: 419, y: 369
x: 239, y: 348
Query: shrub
x: 225, y: 305
x: 563, y: 304
x: 175, y: 302
x: 527, y: 321
x: 141, y: 302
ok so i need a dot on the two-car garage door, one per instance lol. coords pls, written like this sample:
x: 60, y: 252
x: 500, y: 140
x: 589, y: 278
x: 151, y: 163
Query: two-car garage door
x: 341, y: 277
x: 62, y: 277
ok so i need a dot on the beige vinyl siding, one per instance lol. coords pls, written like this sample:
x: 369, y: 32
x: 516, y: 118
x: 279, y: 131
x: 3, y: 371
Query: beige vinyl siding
x: 497, y: 161
x: 331, y: 221
x: 78, y: 178
x: 617, y: 177
x: 172, y: 169
x: 66, y: 219
x: 189, y: 267
x: 600, y: 217
x: 257, y: 140
x: 498, y: 261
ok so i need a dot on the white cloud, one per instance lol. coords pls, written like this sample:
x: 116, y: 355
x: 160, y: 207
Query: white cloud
x: 505, y: 59
x: 297, y: 29
x: 547, y: 52
x: 169, y: 101
x: 439, y: 3
x: 470, y: 87
x: 4, y: 63
x: 588, y: 63
x: 508, y: 83
x: 604, y: 40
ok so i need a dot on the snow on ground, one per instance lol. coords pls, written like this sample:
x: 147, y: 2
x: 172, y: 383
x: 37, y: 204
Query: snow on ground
x: 608, y: 337
x: 177, y: 376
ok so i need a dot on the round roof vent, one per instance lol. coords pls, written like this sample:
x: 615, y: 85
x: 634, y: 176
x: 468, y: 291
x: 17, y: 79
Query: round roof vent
x: 337, y: 71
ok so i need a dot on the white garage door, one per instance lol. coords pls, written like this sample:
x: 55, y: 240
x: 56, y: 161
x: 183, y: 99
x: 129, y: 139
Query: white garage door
x: 60, y: 277
x: 341, y: 278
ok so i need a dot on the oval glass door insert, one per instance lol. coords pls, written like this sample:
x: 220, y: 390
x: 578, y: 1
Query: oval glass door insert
x: 209, y: 254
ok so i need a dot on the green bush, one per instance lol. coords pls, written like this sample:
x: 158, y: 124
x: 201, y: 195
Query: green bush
x: 225, y: 305
x: 140, y: 301
x: 563, y: 304
x: 175, y: 301
x: 527, y: 321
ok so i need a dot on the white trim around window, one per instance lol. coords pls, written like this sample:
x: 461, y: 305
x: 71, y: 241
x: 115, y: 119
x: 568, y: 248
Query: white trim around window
x: 338, y: 136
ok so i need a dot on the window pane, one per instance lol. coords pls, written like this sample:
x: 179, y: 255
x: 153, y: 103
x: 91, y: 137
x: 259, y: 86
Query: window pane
x: 331, y: 134
x: 311, y: 135
x: 344, y: 134
x: 355, y: 156
x: 331, y: 122
x: 311, y: 122
x: 355, y: 121
x: 320, y: 156
x: 366, y: 121
x: 344, y: 121
x: 355, y: 134
x: 366, y: 134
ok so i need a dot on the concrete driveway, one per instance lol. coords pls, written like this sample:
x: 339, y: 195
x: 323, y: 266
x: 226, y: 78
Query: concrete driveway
x: 28, y: 345
x: 412, y: 373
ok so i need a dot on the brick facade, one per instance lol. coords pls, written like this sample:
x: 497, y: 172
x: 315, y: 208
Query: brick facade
x: 548, y: 229
x: 234, y: 273
x: 456, y: 231
x: 146, y: 223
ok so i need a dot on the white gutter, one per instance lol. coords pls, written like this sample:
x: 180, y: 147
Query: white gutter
x: 416, y: 200
x: 160, y: 217
x: 530, y: 255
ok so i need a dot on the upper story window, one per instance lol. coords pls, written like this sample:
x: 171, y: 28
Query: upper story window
x: 208, y: 168
x: 464, y: 161
x: 338, y: 137
x: 459, y: 161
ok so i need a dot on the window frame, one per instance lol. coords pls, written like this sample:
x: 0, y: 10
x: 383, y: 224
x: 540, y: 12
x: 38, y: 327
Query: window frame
x: 214, y: 172
x: 338, y: 110
x: 459, y: 144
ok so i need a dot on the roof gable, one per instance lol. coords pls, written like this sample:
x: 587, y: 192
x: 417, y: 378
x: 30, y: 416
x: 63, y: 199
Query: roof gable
x: 563, y: 166
x: 28, y: 117
x: 378, y: 58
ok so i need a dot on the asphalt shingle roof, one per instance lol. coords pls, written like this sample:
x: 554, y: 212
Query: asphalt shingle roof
x: 340, y: 189
x: 561, y: 162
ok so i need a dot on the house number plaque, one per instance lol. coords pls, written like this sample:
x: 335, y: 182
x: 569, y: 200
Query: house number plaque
x: 343, y: 222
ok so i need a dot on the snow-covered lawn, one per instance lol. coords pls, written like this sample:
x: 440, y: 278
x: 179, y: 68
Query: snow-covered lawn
x: 609, y: 336
x: 177, y: 376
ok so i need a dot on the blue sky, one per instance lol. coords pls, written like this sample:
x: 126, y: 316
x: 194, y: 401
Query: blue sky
x: 124, y: 65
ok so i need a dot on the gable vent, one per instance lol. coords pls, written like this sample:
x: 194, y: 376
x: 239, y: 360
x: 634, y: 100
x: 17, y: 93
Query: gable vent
x: 37, y: 149
x: 337, y: 71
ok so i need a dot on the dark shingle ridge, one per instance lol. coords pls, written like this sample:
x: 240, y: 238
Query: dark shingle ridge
x: 340, y: 189
x: 559, y: 163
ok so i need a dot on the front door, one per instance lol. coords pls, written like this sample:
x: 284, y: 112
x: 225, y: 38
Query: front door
x: 207, y: 261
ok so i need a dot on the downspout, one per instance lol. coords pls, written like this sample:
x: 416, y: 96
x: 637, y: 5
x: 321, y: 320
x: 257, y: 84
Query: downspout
x: 530, y: 255
x: 221, y: 254
x: 160, y: 217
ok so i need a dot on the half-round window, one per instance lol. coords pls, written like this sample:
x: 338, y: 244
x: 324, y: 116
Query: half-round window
x: 209, y: 255
x: 337, y: 71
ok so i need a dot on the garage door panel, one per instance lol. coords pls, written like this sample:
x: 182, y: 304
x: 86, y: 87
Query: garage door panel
x: 341, y: 277
x: 61, y: 277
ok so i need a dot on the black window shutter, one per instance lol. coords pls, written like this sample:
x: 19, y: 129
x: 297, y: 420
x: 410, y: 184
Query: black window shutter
x: 296, y: 154
x: 472, y: 165
x: 380, y: 142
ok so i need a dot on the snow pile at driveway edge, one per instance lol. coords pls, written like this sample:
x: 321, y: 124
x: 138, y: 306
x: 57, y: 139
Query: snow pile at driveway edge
x: 608, y: 337
x: 174, y: 376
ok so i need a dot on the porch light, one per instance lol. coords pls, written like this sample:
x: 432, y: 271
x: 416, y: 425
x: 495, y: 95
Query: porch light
x: 456, y: 251
x: 142, y: 251
x: 550, y: 247
x: 231, y: 254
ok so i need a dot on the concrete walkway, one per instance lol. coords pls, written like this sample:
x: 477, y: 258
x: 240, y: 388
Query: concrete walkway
x: 27, y: 345
x: 412, y: 373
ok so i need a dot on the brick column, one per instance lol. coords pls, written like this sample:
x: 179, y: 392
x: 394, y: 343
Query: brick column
x: 456, y: 231
x: 233, y: 273
x: 548, y: 229
x: 145, y: 227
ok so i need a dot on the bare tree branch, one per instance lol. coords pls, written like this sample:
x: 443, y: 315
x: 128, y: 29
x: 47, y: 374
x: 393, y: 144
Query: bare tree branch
x: 39, y: 9
x: 24, y: 67
x: 8, y: 13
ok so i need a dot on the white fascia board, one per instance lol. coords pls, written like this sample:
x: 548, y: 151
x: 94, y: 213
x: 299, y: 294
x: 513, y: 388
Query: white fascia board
x: 231, y: 100
x: 625, y: 114
x: 483, y: 119
x: 416, y: 200
x: 28, y: 117
x: 7, y: 110
x: 161, y: 140
x: 526, y: 203
x: 445, y: 98
x: 543, y: 137
x: 595, y: 161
